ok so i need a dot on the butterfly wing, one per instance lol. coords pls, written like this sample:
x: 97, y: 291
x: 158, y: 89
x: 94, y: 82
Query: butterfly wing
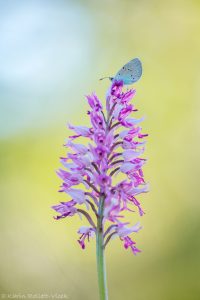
x: 130, y: 72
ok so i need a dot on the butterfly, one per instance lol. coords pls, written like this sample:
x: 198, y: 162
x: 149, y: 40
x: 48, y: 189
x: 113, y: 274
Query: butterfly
x: 129, y: 73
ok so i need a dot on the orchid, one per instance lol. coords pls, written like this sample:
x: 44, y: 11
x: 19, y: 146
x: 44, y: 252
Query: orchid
x: 104, y: 177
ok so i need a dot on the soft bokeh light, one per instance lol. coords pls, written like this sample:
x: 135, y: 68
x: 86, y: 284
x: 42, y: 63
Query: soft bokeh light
x: 52, y: 53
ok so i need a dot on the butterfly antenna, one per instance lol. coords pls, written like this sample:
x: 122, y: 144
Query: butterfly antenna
x: 111, y: 78
x: 104, y: 78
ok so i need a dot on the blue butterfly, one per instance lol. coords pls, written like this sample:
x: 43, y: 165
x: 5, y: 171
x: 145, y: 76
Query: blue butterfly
x: 129, y: 73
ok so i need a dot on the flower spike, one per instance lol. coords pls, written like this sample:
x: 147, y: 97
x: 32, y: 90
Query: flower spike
x: 91, y: 172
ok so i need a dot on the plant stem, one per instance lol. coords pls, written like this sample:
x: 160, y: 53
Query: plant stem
x: 101, y: 268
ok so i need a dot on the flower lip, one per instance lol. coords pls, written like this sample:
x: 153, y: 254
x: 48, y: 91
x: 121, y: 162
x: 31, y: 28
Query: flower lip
x: 86, y: 232
x: 128, y: 242
x: 126, y: 97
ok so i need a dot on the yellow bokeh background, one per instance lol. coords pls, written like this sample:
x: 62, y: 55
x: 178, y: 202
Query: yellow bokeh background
x: 52, y: 53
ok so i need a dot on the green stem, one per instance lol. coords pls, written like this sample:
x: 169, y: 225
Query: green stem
x: 101, y: 268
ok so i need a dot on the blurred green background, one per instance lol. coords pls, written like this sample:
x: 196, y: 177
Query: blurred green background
x: 52, y: 53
